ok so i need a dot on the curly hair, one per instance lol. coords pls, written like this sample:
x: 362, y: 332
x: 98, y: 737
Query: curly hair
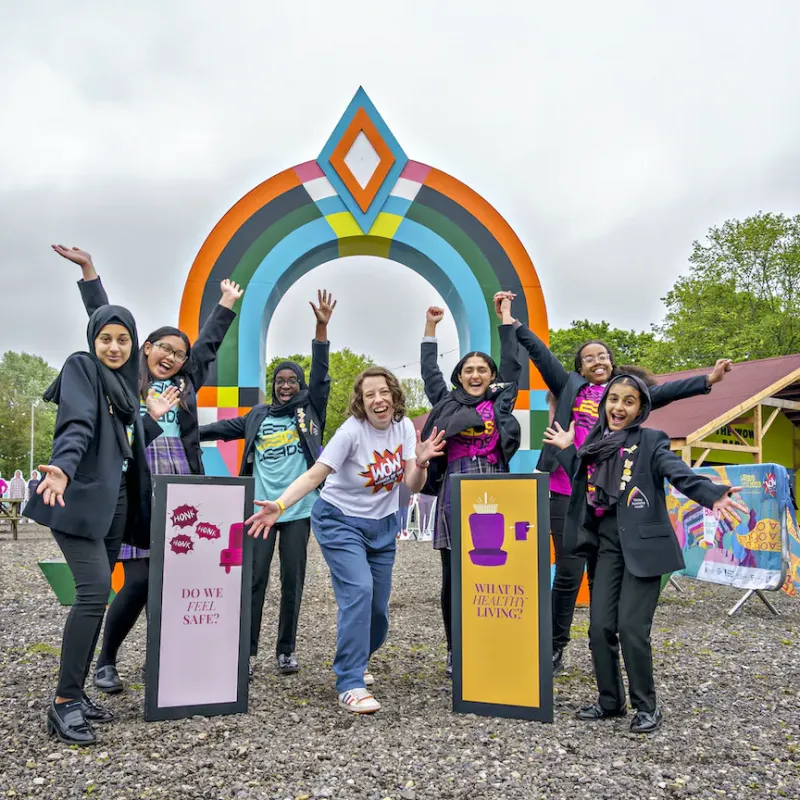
x: 356, y: 406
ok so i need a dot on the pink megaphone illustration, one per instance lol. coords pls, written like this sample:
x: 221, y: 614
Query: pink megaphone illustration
x: 231, y: 556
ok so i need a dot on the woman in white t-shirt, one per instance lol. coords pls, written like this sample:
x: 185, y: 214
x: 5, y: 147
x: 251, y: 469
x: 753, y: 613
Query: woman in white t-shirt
x: 355, y: 519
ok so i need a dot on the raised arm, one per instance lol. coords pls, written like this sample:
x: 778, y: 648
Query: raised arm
x: 225, y: 429
x: 669, y: 392
x: 435, y: 385
x: 510, y: 365
x: 319, y: 381
x: 204, y: 350
x: 551, y: 369
x: 92, y: 292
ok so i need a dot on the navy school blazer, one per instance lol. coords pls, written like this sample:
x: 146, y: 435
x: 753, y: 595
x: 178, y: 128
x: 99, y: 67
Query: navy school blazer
x: 86, y: 447
x: 311, y: 426
x: 565, y: 387
x: 203, y: 355
x: 649, y: 545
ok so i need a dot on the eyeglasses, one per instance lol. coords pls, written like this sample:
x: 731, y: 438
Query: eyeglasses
x: 603, y: 358
x: 287, y: 382
x: 178, y: 355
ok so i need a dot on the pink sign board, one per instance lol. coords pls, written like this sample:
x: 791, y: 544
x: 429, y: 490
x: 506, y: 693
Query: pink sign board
x: 199, y: 631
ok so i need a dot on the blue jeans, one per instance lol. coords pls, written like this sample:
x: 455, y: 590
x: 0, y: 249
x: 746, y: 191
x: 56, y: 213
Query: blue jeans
x: 360, y: 555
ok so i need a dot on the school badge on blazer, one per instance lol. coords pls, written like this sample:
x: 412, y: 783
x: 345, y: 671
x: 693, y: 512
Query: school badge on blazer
x: 637, y: 498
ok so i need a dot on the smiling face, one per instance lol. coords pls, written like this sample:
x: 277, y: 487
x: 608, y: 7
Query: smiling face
x: 287, y: 385
x: 165, y: 356
x: 475, y: 376
x: 378, y: 402
x: 113, y: 345
x: 623, y: 404
x: 596, y: 364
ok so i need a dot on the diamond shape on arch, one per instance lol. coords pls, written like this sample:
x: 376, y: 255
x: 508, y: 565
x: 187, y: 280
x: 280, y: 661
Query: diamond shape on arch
x: 362, y: 132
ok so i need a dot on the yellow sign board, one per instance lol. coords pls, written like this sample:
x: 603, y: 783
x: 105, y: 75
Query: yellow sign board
x: 502, y: 648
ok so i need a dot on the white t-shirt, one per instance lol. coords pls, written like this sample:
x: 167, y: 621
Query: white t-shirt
x: 368, y: 465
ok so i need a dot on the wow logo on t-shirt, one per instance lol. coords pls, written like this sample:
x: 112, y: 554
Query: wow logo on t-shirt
x: 384, y: 471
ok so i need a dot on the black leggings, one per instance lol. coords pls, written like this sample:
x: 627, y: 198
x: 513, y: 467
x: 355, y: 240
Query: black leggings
x: 445, y: 597
x: 91, y: 562
x: 125, y: 609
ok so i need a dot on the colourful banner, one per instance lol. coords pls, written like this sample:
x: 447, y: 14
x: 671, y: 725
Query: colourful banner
x: 762, y: 551
x: 199, y: 599
x: 502, y: 649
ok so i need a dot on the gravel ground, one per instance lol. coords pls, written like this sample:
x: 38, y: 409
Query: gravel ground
x: 728, y: 689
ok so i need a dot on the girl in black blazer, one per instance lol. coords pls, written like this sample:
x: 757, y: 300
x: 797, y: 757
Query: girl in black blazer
x: 167, y: 362
x: 576, y: 396
x: 95, y: 492
x: 618, y: 520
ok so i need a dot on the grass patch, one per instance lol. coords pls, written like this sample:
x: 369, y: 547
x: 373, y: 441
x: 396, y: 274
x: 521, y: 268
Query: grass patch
x: 42, y: 648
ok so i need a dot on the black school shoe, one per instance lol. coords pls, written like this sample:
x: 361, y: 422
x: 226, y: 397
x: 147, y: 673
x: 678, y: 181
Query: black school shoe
x: 646, y: 721
x: 95, y: 712
x: 68, y: 722
x: 448, y: 668
x: 558, y: 660
x: 595, y: 712
x: 107, y: 679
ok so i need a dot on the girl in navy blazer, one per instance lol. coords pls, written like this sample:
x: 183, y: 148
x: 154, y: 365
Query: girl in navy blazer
x: 95, y: 492
x: 617, y: 519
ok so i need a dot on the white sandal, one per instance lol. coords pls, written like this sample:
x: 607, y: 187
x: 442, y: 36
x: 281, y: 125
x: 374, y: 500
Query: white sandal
x: 369, y: 678
x: 359, y: 701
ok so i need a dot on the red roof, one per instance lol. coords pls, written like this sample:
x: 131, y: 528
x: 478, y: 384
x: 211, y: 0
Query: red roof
x: 744, y: 381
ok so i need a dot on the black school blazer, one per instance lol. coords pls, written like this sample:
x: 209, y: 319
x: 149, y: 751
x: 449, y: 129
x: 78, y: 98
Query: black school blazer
x: 565, y: 387
x: 436, y: 388
x: 86, y: 447
x: 203, y: 355
x: 649, y: 545
x: 311, y: 424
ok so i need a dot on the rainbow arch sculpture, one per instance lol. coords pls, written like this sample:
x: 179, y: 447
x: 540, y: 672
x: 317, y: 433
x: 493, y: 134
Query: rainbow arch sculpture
x: 320, y: 211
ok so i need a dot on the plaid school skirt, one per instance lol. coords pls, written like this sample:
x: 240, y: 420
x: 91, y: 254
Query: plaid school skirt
x: 165, y: 456
x: 459, y: 466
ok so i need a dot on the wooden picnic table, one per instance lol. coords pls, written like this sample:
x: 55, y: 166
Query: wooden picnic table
x: 10, y: 510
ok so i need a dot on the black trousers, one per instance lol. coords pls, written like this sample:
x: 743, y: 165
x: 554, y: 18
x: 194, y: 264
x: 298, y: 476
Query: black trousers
x: 292, y: 551
x: 91, y: 562
x: 568, y: 577
x: 621, y: 614
x: 125, y: 609
x: 447, y: 583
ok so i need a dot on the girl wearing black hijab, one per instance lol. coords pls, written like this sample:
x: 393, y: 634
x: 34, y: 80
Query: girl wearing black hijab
x: 481, y: 432
x: 617, y: 519
x: 282, y: 440
x: 95, y: 491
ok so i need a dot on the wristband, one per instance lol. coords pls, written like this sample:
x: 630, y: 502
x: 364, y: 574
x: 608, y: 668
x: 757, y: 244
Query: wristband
x: 281, y: 506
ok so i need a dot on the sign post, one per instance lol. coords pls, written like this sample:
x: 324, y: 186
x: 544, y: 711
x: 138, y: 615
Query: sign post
x: 198, y: 605
x: 502, y: 629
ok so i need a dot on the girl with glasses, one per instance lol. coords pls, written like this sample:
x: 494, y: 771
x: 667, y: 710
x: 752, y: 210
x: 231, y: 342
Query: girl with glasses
x: 577, y: 396
x: 282, y: 439
x: 167, y: 363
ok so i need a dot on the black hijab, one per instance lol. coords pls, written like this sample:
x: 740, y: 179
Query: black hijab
x: 456, y: 411
x: 602, y: 446
x: 298, y: 400
x: 120, y: 386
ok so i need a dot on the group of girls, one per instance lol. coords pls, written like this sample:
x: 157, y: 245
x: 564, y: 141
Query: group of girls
x: 123, y: 417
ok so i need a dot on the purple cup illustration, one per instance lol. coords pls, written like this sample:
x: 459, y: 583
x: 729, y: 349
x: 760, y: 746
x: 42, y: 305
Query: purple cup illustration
x: 487, y: 528
x: 521, y: 531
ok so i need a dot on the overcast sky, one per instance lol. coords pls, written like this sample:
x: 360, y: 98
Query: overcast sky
x: 609, y: 135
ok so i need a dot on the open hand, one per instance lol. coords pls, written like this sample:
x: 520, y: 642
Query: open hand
x: 326, y: 305
x: 261, y: 522
x: 558, y: 437
x: 231, y: 292
x: 74, y: 254
x: 502, y: 303
x: 53, y: 485
x: 727, y: 506
x: 722, y: 366
x: 431, y: 448
x: 159, y: 404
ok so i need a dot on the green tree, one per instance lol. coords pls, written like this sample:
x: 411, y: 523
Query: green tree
x: 740, y: 299
x: 345, y: 366
x: 629, y: 347
x: 416, y: 401
x: 23, y: 379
